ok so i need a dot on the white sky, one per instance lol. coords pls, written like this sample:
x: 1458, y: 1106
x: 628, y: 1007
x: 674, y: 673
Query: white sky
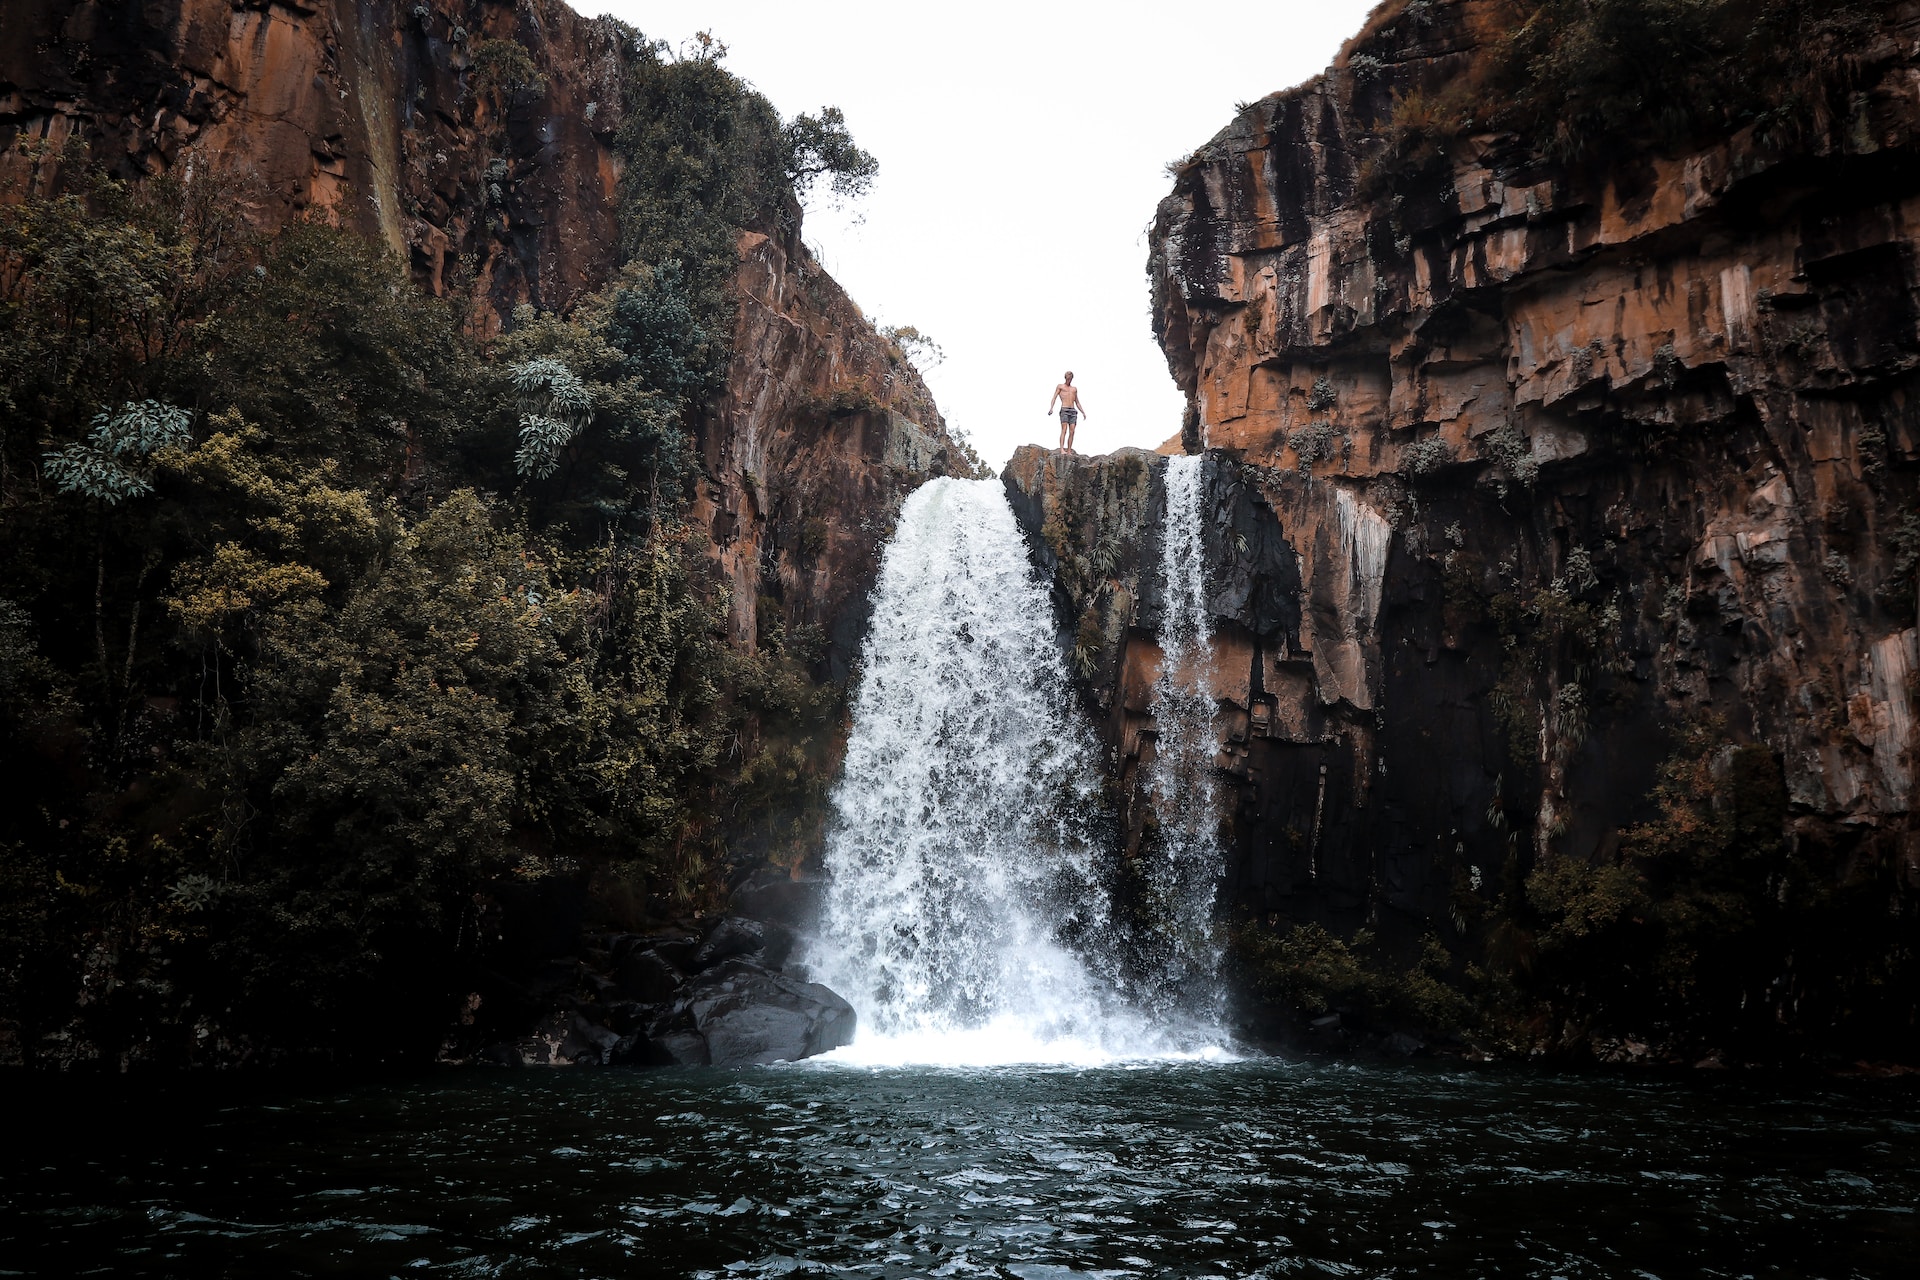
x: 1022, y: 150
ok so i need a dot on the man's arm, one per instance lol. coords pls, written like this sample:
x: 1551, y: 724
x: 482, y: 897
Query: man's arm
x: 1080, y: 403
x: 1052, y: 398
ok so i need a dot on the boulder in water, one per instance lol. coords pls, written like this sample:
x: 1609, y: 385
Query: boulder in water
x: 679, y: 999
x: 749, y: 1015
x: 678, y: 1049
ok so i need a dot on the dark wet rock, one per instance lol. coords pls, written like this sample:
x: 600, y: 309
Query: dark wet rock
x: 750, y: 1015
x: 630, y: 1016
x: 677, y: 1049
x: 677, y: 949
x: 588, y: 1043
x: 674, y: 997
x: 648, y: 977
x: 1404, y: 1045
x: 737, y: 936
x: 543, y: 1046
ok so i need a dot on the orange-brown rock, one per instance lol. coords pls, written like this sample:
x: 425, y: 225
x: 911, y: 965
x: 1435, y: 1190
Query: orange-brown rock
x: 823, y: 430
x: 359, y: 111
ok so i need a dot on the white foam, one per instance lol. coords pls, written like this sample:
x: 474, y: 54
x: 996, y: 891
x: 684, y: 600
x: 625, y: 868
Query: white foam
x: 1011, y: 1041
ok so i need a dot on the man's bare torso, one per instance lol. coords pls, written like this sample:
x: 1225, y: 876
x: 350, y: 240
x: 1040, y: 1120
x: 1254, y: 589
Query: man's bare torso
x: 1069, y: 395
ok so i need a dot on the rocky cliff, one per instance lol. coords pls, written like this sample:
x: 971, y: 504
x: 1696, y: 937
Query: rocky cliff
x: 1556, y: 504
x: 823, y: 429
x: 419, y: 126
x: 618, y: 230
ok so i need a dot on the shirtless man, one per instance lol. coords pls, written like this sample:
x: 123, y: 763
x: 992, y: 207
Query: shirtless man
x: 1071, y: 407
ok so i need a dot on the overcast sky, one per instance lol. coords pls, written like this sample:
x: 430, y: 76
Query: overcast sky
x: 1022, y: 149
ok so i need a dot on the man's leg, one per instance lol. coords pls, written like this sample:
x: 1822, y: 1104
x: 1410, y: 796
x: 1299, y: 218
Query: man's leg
x: 1070, y: 430
x: 1064, y: 434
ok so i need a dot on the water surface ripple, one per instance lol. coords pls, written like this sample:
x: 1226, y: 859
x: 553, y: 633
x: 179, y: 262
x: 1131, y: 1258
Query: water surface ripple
x: 1258, y: 1168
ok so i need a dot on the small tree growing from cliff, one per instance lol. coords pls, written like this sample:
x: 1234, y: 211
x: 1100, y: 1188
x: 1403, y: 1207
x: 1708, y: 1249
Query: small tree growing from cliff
x: 501, y: 67
x: 822, y: 147
x: 916, y: 346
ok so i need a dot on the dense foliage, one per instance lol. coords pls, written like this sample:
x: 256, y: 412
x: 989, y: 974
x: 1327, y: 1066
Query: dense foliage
x: 320, y: 615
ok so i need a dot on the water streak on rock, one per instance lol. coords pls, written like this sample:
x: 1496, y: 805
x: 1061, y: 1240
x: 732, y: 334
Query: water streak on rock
x: 1184, y: 863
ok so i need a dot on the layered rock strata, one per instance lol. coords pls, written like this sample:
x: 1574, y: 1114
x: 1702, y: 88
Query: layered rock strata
x: 1518, y: 471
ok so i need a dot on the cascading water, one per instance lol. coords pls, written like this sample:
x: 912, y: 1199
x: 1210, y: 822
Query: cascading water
x: 1183, y: 858
x: 965, y: 919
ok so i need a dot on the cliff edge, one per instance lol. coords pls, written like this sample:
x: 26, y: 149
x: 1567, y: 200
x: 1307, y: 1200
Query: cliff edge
x: 1562, y: 533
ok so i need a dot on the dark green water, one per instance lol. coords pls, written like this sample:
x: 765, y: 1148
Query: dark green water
x: 1261, y: 1168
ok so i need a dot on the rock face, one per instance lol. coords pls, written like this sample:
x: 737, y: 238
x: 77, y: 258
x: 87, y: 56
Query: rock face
x: 363, y: 112
x: 822, y: 432
x: 1517, y: 472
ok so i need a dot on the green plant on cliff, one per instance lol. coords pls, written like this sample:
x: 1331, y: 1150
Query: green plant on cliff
x: 1310, y: 971
x: 1580, y: 74
x: 1559, y: 640
x: 1314, y: 444
x: 343, y: 664
x: 913, y: 345
x: 500, y: 67
x: 1711, y: 929
x: 1418, y: 137
x: 706, y: 157
x: 820, y: 147
x: 1507, y: 448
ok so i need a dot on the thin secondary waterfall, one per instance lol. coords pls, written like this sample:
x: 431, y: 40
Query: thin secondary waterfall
x: 961, y: 856
x: 1183, y: 857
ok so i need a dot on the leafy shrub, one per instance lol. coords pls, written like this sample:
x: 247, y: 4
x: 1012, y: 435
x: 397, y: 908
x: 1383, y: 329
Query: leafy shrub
x: 500, y: 67
x: 1507, y: 447
x: 554, y: 408
x: 914, y: 345
x: 98, y: 467
x: 1427, y: 456
x: 1312, y: 444
x: 1310, y: 970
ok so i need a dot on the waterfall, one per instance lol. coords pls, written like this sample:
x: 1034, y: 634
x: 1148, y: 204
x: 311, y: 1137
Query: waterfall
x: 965, y: 918
x: 1183, y: 856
